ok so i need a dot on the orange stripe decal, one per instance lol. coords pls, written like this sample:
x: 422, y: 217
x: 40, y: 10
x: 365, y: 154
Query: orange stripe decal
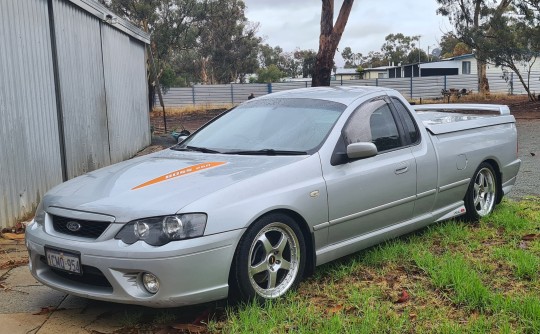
x: 181, y: 172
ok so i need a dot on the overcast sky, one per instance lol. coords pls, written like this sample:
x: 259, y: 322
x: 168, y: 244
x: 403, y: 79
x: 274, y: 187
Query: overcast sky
x: 295, y: 24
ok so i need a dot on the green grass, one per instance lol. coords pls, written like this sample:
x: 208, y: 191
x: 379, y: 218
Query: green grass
x: 461, y: 278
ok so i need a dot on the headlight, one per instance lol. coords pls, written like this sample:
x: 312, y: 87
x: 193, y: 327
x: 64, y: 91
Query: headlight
x: 159, y: 231
x: 39, y: 218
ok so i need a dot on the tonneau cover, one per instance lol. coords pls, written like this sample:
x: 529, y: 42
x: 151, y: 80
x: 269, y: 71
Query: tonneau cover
x: 445, y: 118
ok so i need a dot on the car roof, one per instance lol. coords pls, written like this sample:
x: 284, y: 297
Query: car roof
x: 341, y: 94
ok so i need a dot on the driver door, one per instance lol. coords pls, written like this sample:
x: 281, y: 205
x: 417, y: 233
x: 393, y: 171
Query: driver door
x: 369, y: 194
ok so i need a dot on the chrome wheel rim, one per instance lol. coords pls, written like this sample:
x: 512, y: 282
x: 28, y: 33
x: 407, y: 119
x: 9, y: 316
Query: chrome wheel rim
x: 484, y: 192
x: 274, y: 259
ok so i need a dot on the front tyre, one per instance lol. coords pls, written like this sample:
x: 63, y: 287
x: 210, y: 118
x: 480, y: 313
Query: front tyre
x: 482, y: 193
x: 270, y: 258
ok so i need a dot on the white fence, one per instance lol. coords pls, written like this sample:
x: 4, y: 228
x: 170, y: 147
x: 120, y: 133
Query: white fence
x: 411, y: 88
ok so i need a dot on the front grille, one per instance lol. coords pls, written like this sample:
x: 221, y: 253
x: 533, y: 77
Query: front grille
x: 90, y: 275
x: 88, y: 229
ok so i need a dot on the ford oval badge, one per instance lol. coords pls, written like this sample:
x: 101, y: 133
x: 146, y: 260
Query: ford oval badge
x: 73, y: 226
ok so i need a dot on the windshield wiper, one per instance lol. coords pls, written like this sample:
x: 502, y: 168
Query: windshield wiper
x: 198, y: 149
x: 267, y: 151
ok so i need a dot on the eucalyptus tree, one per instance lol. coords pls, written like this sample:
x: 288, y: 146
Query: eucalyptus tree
x: 352, y: 60
x: 471, y: 18
x: 397, y: 47
x: 513, y: 41
x: 306, y: 59
x: 227, y: 43
x: 448, y: 43
x: 329, y: 39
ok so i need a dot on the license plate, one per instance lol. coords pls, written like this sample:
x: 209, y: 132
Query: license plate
x: 62, y: 260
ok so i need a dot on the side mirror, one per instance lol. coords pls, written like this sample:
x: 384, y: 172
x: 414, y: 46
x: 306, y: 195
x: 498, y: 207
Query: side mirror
x: 361, y: 150
x: 180, y: 136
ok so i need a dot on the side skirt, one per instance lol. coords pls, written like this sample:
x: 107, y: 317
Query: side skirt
x: 349, y: 246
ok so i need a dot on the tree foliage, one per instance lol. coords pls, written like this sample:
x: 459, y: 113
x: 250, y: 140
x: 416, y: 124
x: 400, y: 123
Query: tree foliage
x: 461, y: 49
x: 397, y: 47
x: 195, y: 41
x: 416, y: 55
x: 227, y: 44
x: 306, y: 60
x: 471, y: 18
x: 269, y: 74
x: 352, y: 60
x: 447, y: 44
x: 505, y: 33
x: 513, y: 41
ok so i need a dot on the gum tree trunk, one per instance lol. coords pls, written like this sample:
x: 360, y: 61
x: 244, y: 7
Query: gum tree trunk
x: 329, y: 40
x: 483, y: 83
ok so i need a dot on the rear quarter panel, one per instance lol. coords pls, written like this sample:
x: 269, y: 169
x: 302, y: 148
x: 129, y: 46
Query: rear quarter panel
x: 460, y: 153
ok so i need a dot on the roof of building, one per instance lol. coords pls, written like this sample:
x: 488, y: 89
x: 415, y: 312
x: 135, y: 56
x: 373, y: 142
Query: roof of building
x: 380, y: 68
x: 341, y: 70
x: 468, y: 55
x: 102, y: 13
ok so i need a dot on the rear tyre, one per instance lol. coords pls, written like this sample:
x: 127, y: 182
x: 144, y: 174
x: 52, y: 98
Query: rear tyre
x: 269, y: 260
x: 482, y: 193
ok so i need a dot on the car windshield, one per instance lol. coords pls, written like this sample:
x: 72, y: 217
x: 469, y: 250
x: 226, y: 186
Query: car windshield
x: 268, y: 126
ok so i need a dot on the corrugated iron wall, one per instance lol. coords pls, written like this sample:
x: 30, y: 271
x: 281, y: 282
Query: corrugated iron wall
x: 129, y: 122
x: 30, y: 161
x: 82, y: 87
x: 73, y: 97
x: 415, y: 88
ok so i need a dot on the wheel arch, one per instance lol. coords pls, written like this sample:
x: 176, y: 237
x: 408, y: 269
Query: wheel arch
x: 493, y: 163
x: 306, y: 233
x: 308, y: 238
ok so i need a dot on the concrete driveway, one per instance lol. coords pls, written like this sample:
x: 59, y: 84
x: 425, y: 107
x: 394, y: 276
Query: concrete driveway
x: 26, y: 306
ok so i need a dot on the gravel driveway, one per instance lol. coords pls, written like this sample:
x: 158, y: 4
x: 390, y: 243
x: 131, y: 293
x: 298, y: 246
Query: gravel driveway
x: 528, y: 180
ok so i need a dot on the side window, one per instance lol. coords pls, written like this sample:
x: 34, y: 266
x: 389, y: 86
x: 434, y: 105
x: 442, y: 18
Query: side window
x: 411, y: 129
x: 373, y: 122
x: 466, y: 67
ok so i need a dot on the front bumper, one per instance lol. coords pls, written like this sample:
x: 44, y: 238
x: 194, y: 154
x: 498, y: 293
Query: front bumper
x: 189, y: 271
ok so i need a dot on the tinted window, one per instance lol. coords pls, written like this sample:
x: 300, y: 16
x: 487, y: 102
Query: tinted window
x: 410, y: 125
x: 373, y: 122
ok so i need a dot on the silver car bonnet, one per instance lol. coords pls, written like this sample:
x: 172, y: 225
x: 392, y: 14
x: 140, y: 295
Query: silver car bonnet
x: 158, y: 184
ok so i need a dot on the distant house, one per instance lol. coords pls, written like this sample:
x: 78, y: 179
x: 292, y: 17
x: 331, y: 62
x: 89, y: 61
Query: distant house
x: 346, y: 74
x: 380, y: 72
x: 464, y: 64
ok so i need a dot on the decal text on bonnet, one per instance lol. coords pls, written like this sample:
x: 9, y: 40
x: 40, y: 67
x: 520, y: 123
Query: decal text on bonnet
x: 181, y: 172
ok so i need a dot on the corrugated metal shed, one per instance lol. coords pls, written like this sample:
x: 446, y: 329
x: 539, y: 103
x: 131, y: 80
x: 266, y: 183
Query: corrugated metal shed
x: 128, y: 131
x: 73, y: 96
x: 30, y: 161
x: 82, y: 87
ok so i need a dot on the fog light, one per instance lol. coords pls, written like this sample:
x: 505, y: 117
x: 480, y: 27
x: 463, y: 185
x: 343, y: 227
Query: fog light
x: 150, y: 282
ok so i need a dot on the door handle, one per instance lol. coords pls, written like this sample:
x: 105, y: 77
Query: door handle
x: 402, y: 168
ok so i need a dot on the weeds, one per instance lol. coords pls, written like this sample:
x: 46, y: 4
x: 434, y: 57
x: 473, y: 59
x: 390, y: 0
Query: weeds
x: 460, y: 278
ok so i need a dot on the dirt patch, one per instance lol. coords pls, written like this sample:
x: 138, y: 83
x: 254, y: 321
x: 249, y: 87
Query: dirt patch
x: 521, y: 109
x: 191, y: 120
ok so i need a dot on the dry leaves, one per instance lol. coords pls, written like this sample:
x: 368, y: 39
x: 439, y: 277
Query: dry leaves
x: 47, y: 310
x: 529, y: 237
x: 13, y: 264
x: 403, y: 297
x: 334, y: 309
